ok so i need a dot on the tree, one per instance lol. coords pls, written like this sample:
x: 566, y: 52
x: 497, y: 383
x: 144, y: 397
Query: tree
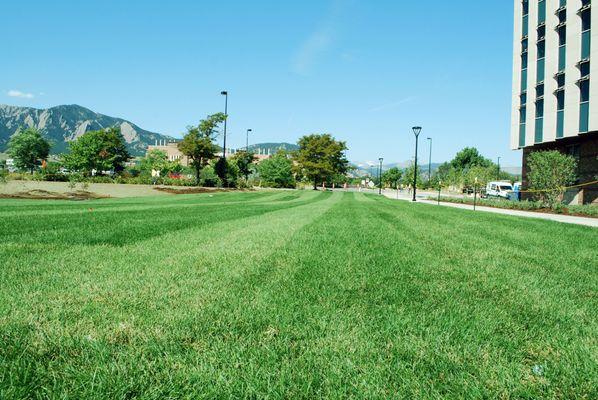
x: 28, y: 148
x: 157, y: 160
x: 469, y: 157
x: 320, y: 157
x: 277, y: 171
x: 244, y: 160
x: 549, y: 173
x: 392, y: 177
x: 407, y: 178
x: 103, y: 150
x: 198, y: 144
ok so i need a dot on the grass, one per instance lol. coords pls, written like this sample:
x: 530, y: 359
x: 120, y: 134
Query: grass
x: 292, y: 295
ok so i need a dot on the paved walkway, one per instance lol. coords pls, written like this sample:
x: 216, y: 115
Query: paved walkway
x: 568, y: 219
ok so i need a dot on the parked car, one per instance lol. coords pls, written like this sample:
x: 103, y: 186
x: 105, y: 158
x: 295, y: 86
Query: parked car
x: 499, y: 189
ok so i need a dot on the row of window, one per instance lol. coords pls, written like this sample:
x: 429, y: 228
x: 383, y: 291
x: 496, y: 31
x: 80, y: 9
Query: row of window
x: 584, y: 66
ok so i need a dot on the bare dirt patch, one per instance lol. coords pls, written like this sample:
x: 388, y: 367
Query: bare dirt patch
x: 38, y: 194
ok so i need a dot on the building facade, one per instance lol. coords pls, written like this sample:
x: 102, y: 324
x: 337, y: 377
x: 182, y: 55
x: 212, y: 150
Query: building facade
x: 555, y: 85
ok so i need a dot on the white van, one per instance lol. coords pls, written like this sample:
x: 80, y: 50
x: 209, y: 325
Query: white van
x: 499, y: 189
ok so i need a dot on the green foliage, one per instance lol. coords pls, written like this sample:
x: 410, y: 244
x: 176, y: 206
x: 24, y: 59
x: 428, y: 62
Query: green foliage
x: 469, y: 157
x: 467, y: 165
x: 103, y: 150
x: 320, y: 158
x: 28, y: 148
x: 245, y: 162
x: 392, y: 177
x: 586, y: 210
x: 549, y: 173
x: 157, y: 160
x: 408, y: 175
x: 198, y: 144
x: 277, y: 171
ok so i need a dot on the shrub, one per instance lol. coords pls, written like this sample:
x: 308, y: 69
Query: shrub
x: 549, y: 173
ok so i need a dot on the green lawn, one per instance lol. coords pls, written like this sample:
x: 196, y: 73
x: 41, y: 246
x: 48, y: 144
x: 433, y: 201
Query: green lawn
x: 292, y: 295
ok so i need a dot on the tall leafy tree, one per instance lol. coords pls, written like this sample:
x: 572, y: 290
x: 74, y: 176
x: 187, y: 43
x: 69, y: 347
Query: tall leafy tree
x: 392, y: 177
x: 549, y: 173
x: 28, y: 148
x: 277, y: 171
x: 244, y: 160
x: 469, y: 157
x: 198, y: 144
x: 103, y: 150
x: 320, y: 158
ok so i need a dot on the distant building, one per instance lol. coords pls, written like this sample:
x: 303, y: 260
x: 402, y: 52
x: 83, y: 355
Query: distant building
x: 173, y: 153
x: 555, y: 85
x: 171, y: 149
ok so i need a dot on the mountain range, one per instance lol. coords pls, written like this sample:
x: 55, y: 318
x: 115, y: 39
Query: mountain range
x: 63, y: 124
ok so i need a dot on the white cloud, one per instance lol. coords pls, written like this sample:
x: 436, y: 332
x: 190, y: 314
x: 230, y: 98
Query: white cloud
x: 319, y: 41
x: 19, y: 94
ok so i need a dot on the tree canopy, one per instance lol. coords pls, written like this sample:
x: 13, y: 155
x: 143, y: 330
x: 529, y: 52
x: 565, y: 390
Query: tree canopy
x: 244, y: 160
x: 28, y: 148
x: 392, y: 177
x: 320, y: 158
x: 103, y: 150
x: 549, y: 173
x: 198, y: 144
x: 277, y: 171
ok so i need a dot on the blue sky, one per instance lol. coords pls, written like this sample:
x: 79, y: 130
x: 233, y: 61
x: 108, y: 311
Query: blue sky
x: 362, y: 70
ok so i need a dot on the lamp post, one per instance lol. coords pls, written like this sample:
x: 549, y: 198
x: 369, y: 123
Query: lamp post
x: 380, y: 176
x: 247, y: 140
x: 430, y: 162
x: 498, y: 176
x: 475, y: 192
x: 225, y: 94
x: 416, y: 131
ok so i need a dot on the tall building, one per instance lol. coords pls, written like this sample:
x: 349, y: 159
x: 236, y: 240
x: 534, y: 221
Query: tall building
x: 555, y: 85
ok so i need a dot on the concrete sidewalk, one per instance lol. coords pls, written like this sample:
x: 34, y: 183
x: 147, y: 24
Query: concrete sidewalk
x: 568, y: 219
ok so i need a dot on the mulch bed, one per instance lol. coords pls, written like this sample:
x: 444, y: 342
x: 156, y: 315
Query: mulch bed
x: 38, y: 194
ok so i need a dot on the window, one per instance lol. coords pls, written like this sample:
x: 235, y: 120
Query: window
x: 560, y: 80
x: 539, y: 90
x: 540, y: 74
x: 562, y: 35
x: 584, y: 69
x: 541, y: 49
x: 541, y: 32
x: 523, y: 98
x: 584, y: 88
x: 541, y: 12
x: 560, y: 100
x: 584, y: 106
x: 539, y: 108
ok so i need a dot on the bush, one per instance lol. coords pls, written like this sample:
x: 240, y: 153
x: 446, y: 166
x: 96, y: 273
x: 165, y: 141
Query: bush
x: 549, y: 173
x: 584, y: 210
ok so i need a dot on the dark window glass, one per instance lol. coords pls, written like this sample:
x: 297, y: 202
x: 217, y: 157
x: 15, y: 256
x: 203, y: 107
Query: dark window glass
x: 560, y: 100
x: 562, y: 35
x: 562, y: 16
x: 584, y: 68
x: 542, y: 32
x: 523, y: 98
x: 539, y: 108
x: 586, y: 20
x: 540, y: 90
x: 541, y: 49
x: 584, y: 88
x: 560, y: 80
x: 525, y: 7
x: 524, y: 61
x: 524, y: 45
x: 522, y: 115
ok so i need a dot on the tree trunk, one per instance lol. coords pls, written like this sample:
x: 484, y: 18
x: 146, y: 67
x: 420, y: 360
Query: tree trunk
x: 197, y: 171
x: 315, y: 183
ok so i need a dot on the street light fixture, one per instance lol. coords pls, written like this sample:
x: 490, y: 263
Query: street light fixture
x: 430, y: 163
x: 380, y: 176
x: 247, y: 140
x: 416, y: 131
x: 498, y: 176
x: 225, y: 94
